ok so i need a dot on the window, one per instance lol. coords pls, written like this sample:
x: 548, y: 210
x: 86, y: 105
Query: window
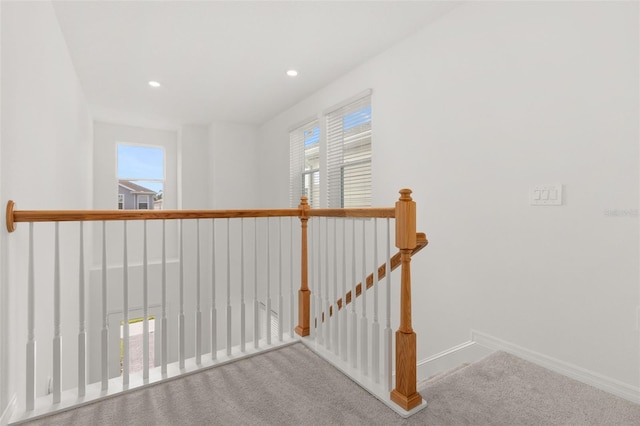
x: 304, y: 165
x: 349, y: 154
x: 143, y: 202
x: 140, y: 177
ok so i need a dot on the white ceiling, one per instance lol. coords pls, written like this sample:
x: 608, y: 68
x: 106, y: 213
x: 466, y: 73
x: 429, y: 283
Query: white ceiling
x: 225, y: 60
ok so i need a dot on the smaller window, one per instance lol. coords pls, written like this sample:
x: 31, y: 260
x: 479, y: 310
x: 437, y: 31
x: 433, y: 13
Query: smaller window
x: 143, y: 202
x: 140, y: 177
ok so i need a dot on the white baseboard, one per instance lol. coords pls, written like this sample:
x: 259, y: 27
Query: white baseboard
x: 607, y: 384
x: 8, y: 411
x: 464, y: 353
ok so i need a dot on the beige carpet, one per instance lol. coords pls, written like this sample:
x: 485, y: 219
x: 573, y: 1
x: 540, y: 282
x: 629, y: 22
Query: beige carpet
x: 292, y: 386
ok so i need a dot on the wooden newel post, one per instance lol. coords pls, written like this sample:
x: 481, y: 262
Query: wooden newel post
x: 304, y: 295
x: 405, y: 393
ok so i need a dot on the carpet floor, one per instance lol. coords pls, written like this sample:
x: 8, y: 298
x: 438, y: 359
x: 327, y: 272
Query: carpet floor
x: 293, y: 386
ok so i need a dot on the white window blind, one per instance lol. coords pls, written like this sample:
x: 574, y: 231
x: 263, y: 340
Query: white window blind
x: 304, y: 163
x: 349, y: 154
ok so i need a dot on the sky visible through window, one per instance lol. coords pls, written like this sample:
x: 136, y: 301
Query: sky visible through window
x: 357, y: 118
x: 139, y: 163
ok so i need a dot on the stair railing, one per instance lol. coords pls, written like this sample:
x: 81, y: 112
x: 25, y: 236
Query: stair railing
x: 314, y: 303
x: 315, y: 310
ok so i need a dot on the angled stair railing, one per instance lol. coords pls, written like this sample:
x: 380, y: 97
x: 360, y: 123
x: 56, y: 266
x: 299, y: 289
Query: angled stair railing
x: 422, y: 241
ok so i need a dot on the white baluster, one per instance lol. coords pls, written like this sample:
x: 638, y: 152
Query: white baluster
x: 343, y: 312
x: 228, y: 289
x: 320, y: 298
x: 105, y: 317
x: 280, y: 300
x: 388, y: 333
x: 364, y: 322
x: 57, y: 338
x: 335, y: 320
x: 164, y: 300
x: 242, y: 304
x: 125, y: 308
x: 375, y: 327
x: 354, y: 316
x: 198, y: 312
x: 31, y: 331
x: 145, y: 304
x: 312, y: 279
x: 82, y: 333
x: 326, y: 306
x: 181, y: 323
x: 267, y: 324
x: 214, y: 311
x: 292, y: 323
x: 256, y: 304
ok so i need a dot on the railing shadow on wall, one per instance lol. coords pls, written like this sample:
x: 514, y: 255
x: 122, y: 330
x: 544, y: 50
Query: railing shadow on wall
x: 224, y: 288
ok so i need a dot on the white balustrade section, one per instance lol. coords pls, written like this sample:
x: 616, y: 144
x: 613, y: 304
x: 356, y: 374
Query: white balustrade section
x: 181, y: 324
x: 242, y: 303
x: 82, y: 332
x: 256, y: 303
x: 105, y: 315
x: 375, y: 327
x: 280, y: 297
x: 311, y: 280
x: 165, y: 334
x: 388, y: 333
x: 214, y: 311
x: 198, y: 304
x: 125, y: 308
x: 57, y: 338
x: 145, y: 305
x: 332, y: 262
x: 292, y: 287
x: 364, y: 322
x: 343, y: 312
x: 228, y: 288
x: 353, y: 352
x: 334, y: 298
x: 326, y: 305
x: 355, y: 338
x: 267, y: 323
x: 31, y: 339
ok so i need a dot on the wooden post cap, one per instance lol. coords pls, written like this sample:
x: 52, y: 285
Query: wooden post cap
x: 11, y: 225
x: 405, y: 194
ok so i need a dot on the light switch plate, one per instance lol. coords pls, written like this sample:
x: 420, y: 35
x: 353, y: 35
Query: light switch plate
x: 546, y: 195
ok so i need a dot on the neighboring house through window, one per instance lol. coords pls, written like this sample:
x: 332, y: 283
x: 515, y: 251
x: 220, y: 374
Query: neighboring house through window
x: 134, y: 196
x: 140, y: 177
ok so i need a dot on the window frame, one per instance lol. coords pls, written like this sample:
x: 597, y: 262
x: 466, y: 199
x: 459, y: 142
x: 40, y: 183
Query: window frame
x: 337, y: 143
x: 141, y: 181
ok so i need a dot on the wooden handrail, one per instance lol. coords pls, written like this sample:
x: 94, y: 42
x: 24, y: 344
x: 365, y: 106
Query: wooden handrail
x: 373, y: 212
x: 14, y: 216
x: 382, y: 272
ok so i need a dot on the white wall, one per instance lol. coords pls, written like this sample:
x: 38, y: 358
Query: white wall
x: 469, y: 113
x: 46, y: 163
x: 234, y: 165
x: 194, y: 160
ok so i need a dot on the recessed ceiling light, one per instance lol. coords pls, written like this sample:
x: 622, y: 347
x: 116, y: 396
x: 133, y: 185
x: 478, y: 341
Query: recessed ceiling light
x: 154, y: 84
x: 292, y: 73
